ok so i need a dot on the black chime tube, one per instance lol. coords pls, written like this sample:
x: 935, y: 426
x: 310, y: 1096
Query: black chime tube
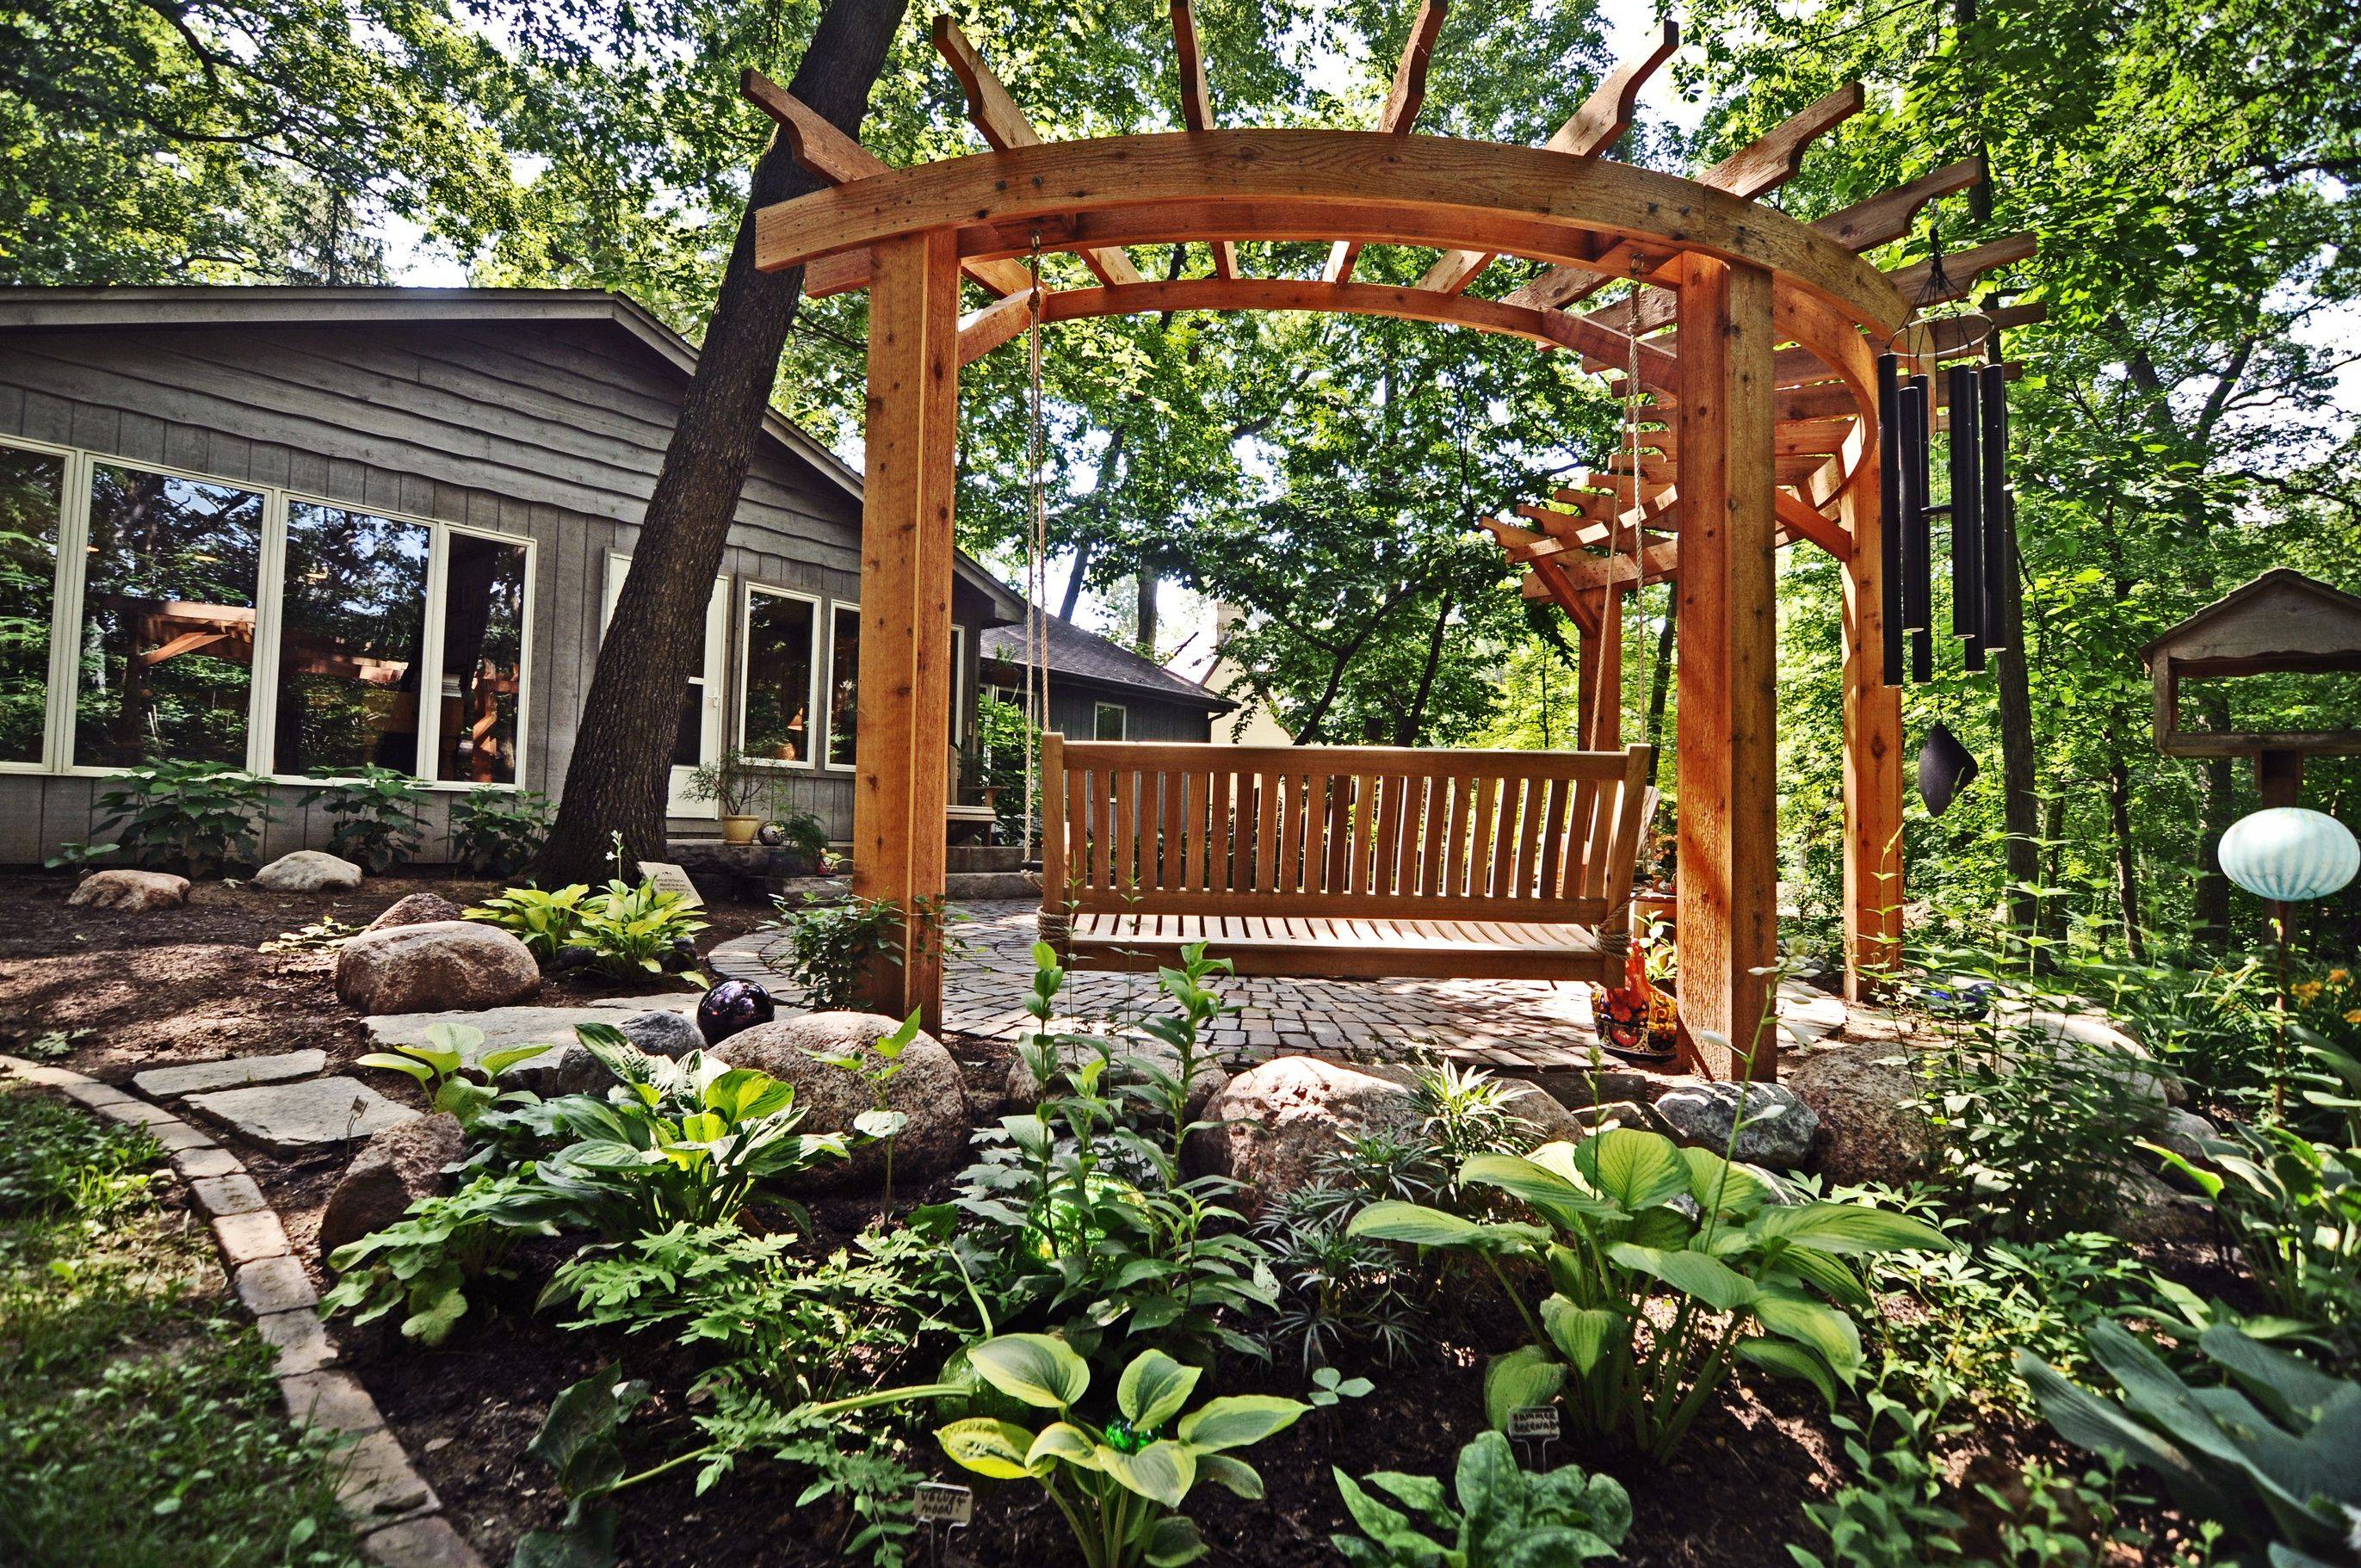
x: 1889, y: 512
x: 1968, y: 607
x: 1998, y: 527
x: 1917, y: 539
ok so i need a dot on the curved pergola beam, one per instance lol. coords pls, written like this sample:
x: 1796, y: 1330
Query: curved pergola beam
x: 1291, y: 185
x: 1554, y: 329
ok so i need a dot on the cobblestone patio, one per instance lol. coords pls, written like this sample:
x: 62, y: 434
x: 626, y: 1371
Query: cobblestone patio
x: 1532, y: 1024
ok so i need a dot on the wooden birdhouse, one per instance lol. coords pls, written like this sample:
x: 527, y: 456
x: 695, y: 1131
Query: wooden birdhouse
x: 2282, y: 623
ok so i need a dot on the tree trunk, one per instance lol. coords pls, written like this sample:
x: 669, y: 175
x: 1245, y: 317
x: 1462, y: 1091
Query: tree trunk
x: 1146, y: 625
x: 2127, y: 887
x: 622, y: 755
x: 2019, y: 797
x: 1406, y: 730
x: 1658, y: 684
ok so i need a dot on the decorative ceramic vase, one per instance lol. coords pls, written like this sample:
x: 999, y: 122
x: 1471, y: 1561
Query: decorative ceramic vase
x: 740, y: 829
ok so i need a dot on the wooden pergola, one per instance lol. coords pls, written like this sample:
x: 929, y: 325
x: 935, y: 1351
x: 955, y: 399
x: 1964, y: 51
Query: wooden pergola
x: 1754, y: 335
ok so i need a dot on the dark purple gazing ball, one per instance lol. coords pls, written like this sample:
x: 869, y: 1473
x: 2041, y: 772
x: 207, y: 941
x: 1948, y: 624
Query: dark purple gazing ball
x: 732, y: 1006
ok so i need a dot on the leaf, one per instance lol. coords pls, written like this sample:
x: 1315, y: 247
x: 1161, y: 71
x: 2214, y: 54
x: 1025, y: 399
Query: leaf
x: 1241, y: 1478
x: 1851, y: 1228
x: 880, y: 1123
x: 416, y: 1069
x: 1525, y: 1375
x: 1541, y: 1188
x: 1638, y: 1169
x: 1716, y: 1284
x: 1153, y: 1388
x: 1237, y: 1420
x: 1163, y: 1471
x: 497, y: 1062
x: 1582, y: 1333
x: 1173, y: 1542
x: 1785, y: 1360
x: 1061, y: 1439
x: 991, y: 1448
x: 577, y: 1438
x: 1038, y: 1369
x: 1815, y: 1324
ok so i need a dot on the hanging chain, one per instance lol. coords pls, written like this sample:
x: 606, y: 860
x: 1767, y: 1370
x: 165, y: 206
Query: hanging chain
x: 1037, y: 554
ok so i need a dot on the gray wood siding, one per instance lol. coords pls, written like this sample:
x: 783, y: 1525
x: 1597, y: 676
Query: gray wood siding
x: 1073, y: 709
x: 553, y: 431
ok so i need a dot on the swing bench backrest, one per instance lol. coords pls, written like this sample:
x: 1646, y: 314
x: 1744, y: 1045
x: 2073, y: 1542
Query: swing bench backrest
x: 1342, y: 859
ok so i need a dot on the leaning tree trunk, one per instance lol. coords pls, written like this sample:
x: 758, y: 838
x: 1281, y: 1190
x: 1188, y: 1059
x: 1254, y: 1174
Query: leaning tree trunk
x: 622, y: 753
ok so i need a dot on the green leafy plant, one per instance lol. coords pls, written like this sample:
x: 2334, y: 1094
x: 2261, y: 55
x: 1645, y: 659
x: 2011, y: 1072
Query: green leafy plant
x: 1462, y: 1111
x: 807, y: 834
x: 77, y: 856
x: 1496, y: 1514
x: 581, y: 1441
x: 544, y: 922
x: 875, y: 1065
x: 633, y: 930
x: 424, y: 1262
x: 828, y: 947
x: 198, y: 818
x: 2269, y: 1456
x: 1618, y: 1233
x: 376, y: 816
x: 1088, y: 1222
x: 442, y: 1068
x: 1337, y: 1290
x: 690, y: 1141
x: 499, y: 831
x: 734, y: 779
x: 1120, y: 1484
x: 2294, y: 1207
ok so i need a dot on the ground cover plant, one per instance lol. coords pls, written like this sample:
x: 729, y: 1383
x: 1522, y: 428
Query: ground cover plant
x: 140, y: 1424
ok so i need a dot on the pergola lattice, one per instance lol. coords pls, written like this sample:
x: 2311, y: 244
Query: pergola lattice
x: 1756, y: 339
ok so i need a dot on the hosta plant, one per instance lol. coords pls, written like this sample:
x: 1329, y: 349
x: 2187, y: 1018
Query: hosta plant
x: 441, y: 1067
x: 1630, y: 1217
x: 543, y: 921
x: 2270, y: 1455
x: 1496, y: 1514
x: 1121, y: 1482
x: 423, y: 1263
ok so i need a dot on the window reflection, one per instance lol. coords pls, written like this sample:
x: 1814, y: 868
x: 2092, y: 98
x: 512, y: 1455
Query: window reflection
x: 844, y: 688
x: 778, y: 677
x: 483, y: 660
x: 351, y: 620
x: 30, y: 484
x: 167, y: 651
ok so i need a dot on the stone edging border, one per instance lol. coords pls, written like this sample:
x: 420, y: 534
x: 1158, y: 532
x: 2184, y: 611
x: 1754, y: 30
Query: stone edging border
x: 390, y: 1503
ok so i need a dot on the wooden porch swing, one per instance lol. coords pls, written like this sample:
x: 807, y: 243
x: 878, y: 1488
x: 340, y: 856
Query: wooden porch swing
x: 1764, y: 394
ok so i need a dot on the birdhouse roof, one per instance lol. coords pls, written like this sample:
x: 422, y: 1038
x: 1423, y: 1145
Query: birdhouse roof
x: 2281, y: 621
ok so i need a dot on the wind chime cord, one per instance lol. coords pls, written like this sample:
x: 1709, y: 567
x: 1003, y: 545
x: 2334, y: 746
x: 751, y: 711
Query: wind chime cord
x: 1037, y: 558
x: 1587, y: 739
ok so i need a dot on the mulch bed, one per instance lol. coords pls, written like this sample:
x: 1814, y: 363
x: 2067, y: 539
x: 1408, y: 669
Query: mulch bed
x: 189, y: 983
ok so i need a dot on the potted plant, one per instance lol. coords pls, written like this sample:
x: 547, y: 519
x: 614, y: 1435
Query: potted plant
x: 733, y: 780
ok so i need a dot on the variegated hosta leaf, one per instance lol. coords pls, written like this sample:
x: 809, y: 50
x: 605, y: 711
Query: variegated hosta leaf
x: 991, y: 1448
x: 1038, y: 1369
x: 1583, y: 1334
x: 1061, y: 1439
x: 1162, y: 1472
x: 1153, y: 1388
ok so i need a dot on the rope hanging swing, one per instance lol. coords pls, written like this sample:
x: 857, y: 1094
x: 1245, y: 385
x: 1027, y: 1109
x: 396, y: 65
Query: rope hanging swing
x: 1037, y: 554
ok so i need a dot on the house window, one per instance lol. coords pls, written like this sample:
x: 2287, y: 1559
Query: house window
x: 352, y: 619
x: 167, y: 650
x: 843, y: 686
x: 1109, y: 720
x: 775, y: 679
x: 482, y: 660
x: 32, y: 494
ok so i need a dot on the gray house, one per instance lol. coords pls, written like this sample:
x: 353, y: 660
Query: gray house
x: 1101, y: 690
x: 306, y: 530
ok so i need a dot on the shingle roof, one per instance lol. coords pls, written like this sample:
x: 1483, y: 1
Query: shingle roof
x: 1086, y: 655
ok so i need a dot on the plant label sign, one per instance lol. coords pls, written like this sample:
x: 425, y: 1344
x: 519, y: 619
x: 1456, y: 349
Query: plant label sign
x: 942, y: 1502
x: 1533, y: 1423
x: 670, y: 878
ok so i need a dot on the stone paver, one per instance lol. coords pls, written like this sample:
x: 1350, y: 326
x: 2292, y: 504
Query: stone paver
x: 226, y: 1194
x: 274, y: 1284
x: 428, y: 1543
x: 294, y: 1117
x: 1528, y: 1027
x: 171, y: 1082
x: 504, y: 1027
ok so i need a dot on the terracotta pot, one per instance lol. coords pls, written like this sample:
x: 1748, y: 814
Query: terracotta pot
x: 740, y: 829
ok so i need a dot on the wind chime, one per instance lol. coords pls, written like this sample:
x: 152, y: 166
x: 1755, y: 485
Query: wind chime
x: 1976, y: 507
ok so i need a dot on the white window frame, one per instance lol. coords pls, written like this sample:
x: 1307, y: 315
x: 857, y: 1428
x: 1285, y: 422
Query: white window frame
x: 816, y: 725
x: 959, y: 681
x: 1123, y: 710
x: 714, y: 735
x: 262, y: 705
x: 65, y: 625
x: 827, y: 751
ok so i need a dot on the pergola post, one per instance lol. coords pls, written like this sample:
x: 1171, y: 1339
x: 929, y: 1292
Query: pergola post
x: 1728, y: 729
x: 1873, y: 749
x: 902, y: 756
x: 1598, y: 709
